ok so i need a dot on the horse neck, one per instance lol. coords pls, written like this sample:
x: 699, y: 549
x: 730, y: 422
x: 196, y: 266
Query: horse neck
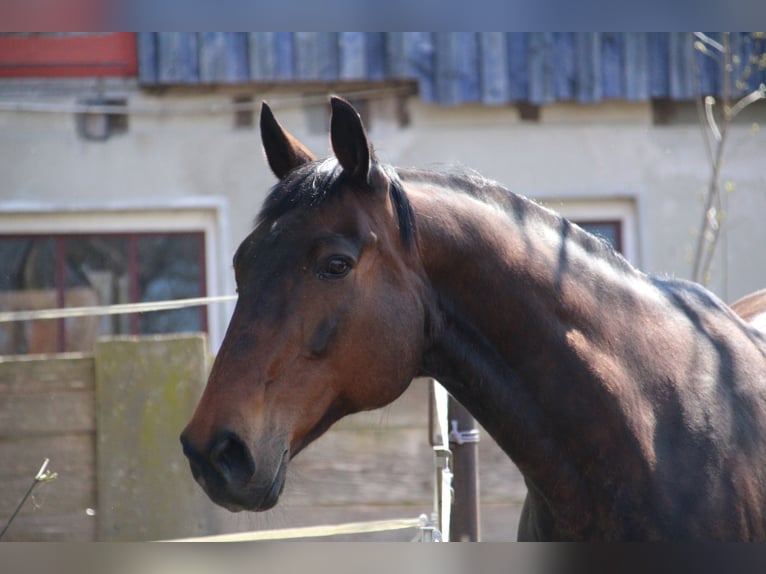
x: 518, y: 297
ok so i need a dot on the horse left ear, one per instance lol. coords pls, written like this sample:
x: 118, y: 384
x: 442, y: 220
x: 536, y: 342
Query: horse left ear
x: 349, y: 140
x: 283, y: 152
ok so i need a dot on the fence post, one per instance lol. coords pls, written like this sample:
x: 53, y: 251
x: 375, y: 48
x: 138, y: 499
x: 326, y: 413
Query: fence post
x: 464, y: 443
x: 146, y: 389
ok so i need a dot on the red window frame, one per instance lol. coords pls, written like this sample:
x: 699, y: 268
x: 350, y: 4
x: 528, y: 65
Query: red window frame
x: 132, y: 238
x: 616, y: 223
x: 58, y: 55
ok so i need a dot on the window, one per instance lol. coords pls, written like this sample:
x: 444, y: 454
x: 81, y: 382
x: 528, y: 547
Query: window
x: 613, y: 219
x: 75, y: 270
x: 611, y: 231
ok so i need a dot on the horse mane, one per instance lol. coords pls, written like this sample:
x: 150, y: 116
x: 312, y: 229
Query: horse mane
x: 314, y: 183
x: 472, y: 183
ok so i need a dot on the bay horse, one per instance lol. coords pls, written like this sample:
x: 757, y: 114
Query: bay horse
x: 633, y: 405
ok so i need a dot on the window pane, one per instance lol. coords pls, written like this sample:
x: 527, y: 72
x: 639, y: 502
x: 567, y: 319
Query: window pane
x: 170, y: 267
x: 27, y: 263
x: 28, y: 281
x: 96, y: 273
x: 608, y: 230
x: 97, y: 270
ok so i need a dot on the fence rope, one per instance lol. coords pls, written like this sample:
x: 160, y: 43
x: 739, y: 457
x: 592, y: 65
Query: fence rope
x: 310, y: 531
x: 118, y: 309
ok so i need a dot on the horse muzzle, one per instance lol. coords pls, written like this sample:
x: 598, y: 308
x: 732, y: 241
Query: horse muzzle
x: 229, y: 475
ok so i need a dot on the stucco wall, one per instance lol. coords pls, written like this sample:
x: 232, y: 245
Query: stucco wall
x: 574, y: 152
x: 613, y: 150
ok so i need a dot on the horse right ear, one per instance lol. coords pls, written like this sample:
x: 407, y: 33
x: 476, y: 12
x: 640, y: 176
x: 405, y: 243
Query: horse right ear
x: 283, y: 152
x: 349, y: 140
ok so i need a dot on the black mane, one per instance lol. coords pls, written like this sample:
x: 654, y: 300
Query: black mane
x: 467, y: 181
x: 310, y: 185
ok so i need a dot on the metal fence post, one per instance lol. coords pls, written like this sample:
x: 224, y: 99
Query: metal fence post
x: 464, y: 443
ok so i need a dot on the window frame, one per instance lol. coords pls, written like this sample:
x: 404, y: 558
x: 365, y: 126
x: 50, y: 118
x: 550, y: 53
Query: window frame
x: 614, y: 210
x: 208, y: 216
x: 60, y: 244
x: 585, y: 223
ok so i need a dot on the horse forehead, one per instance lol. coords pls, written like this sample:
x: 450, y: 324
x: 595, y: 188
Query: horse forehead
x: 262, y: 259
x: 284, y: 233
x: 289, y: 236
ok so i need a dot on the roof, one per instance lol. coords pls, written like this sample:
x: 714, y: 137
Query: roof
x: 452, y: 67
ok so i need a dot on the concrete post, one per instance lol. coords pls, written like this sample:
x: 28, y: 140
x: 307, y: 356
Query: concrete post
x: 146, y: 390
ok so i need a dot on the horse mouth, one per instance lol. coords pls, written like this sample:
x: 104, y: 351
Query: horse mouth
x: 253, y: 499
x: 272, y: 494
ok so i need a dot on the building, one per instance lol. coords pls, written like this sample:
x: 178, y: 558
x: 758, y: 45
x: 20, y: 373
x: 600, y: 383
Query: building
x: 131, y: 164
x: 144, y: 151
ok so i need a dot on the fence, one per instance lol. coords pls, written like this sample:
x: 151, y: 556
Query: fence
x: 47, y: 409
x: 109, y: 422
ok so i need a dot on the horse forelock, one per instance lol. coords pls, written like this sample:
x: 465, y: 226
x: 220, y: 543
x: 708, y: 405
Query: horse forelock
x: 313, y: 184
x: 306, y: 186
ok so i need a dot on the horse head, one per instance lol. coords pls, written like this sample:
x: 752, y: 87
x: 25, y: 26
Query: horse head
x: 329, y: 318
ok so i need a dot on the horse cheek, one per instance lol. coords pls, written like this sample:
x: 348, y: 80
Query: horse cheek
x: 396, y: 345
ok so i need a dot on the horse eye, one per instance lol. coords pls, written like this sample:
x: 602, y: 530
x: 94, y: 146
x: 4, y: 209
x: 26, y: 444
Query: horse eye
x: 335, y: 268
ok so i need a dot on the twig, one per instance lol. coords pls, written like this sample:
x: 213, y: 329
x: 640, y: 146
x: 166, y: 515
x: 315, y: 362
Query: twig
x: 709, y: 41
x: 710, y: 227
x: 704, y: 243
x: 43, y: 475
x: 709, y: 103
x: 701, y: 110
x: 751, y: 98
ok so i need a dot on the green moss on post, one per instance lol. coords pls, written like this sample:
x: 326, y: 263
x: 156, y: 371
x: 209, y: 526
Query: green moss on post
x: 146, y: 390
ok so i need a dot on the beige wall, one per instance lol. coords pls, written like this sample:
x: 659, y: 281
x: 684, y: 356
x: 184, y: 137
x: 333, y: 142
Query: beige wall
x: 613, y: 150
x: 609, y: 150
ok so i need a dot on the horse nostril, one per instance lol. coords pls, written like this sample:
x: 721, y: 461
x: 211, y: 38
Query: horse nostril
x: 186, y: 445
x: 232, y: 459
x: 193, y: 455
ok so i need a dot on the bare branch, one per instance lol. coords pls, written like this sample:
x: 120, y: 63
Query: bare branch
x: 718, y: 128
x: 701, y: 109
x: 705, y: 39
x: 43, y: 475
x: 710, y: 117
x: 751, y: 98
x: 715, y: 216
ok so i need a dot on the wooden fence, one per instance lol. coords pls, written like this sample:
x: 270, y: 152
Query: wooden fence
x: 109, y: 422
x: 47, y: 409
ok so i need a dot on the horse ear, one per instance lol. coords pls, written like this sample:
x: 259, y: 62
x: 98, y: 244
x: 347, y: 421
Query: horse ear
x: 349, y: 140
x: 283, y: 152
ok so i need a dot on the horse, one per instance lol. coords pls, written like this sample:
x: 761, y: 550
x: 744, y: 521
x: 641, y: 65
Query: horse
x: 752, y: 308
x: 634, y: 405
